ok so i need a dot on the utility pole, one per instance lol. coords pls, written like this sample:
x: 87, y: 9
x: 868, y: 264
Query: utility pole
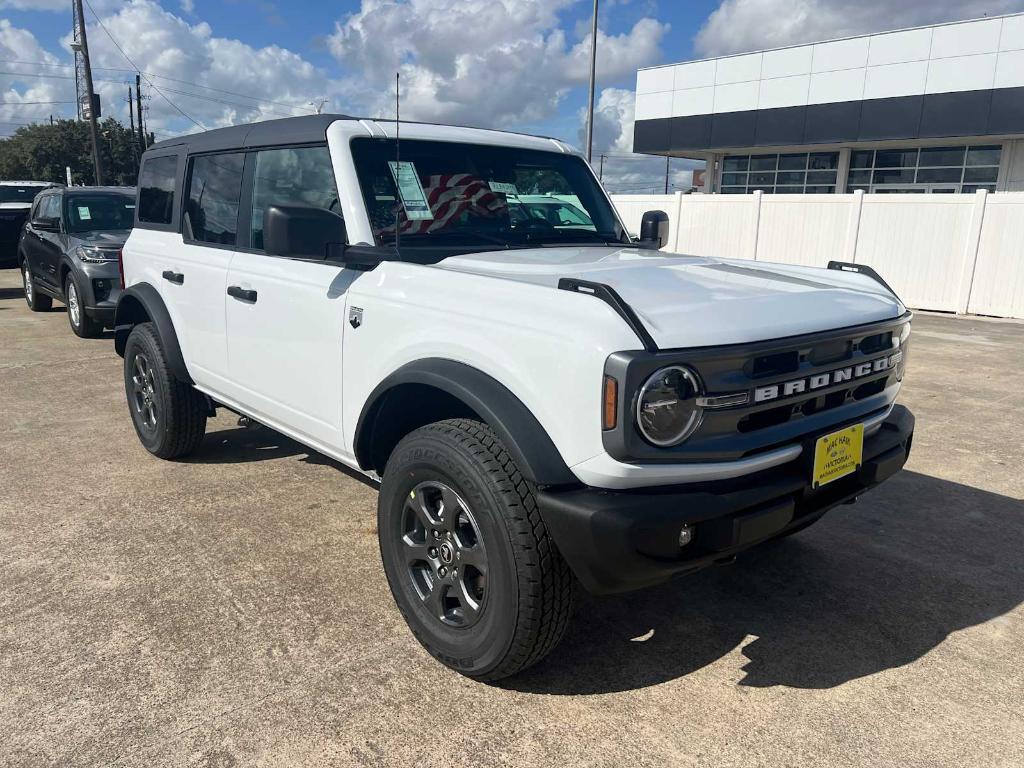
x: 593, y: 77
x: 668, y: 160
x: 138, y: 104
x: 318, y: 104
x: 131, y: 117
x: 600, y: 173
x: 84, y: 47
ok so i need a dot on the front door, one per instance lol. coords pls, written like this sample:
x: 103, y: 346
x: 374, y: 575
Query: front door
x: 44, y: 246
x: 286, y: 317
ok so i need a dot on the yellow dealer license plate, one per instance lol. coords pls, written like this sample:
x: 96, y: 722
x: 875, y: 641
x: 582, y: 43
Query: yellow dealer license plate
x: 838, y: 454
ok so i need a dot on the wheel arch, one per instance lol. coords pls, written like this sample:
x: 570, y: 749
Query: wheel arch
x: 433, y: 389
x: 142, y: 303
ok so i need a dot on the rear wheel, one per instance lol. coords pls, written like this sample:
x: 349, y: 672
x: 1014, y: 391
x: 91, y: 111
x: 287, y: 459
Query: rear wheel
x: 468, y: 558
x: 169, y: 415
x: 83, y: 325
x: 36, y: 301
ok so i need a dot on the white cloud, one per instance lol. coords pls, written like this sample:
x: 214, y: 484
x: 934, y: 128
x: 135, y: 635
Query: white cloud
x: 21, y: 94
x: 496, y: 63
x: 188, y: 6
x: 750, y: 25
x: 217, y: 68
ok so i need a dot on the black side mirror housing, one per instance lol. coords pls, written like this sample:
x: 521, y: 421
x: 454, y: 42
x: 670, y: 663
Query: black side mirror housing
x: 46, y: 225
x: 654, y: 230
x: 303, y: 232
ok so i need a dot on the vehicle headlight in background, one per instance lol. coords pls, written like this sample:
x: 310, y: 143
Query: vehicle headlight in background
x: 666, y: 410
x: 92, y: 255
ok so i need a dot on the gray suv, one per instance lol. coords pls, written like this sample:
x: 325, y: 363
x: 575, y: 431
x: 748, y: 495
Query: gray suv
x: 69, y: 251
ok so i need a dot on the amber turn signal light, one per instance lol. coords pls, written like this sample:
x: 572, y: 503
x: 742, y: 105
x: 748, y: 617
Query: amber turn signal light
x: 611, y: 403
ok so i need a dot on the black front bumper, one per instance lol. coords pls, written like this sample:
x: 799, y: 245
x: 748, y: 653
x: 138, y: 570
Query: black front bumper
x: 616, y: 541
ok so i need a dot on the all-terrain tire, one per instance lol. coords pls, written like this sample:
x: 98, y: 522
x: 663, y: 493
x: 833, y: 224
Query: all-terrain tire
x: 169, y: 415
x: 526, y: 603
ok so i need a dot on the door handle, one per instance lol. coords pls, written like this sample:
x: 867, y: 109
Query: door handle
x: 174, y: 277
x: 242, y: 294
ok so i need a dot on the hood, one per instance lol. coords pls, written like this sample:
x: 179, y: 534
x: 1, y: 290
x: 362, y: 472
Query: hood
x: 689, y: 301
x: 110, y: 238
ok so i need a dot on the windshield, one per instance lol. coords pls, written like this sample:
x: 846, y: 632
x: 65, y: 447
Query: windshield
x: 471, y: 197
x: 16, y: 194
x: 96, y: 212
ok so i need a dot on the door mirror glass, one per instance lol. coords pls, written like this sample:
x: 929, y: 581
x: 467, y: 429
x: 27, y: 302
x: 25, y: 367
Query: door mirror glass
x: 654, y: 230
x: 302, y: 232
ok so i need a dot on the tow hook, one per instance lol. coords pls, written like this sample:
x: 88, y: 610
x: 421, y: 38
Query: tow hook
x: 852, y: 500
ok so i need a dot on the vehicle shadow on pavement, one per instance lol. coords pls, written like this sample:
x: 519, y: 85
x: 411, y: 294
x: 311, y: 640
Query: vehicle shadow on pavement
x: 12, y: 293
x: 243, y: 445
x: 870, y: 587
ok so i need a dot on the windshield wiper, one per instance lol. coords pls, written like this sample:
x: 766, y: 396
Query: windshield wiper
x: 448, y: 237
x: 568, y: 237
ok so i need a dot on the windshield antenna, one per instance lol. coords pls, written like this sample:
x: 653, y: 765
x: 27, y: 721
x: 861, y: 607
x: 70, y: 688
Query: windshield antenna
x: 398, y: 172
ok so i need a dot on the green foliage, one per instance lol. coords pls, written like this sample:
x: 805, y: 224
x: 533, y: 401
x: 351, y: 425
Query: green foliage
x: 41, y: 153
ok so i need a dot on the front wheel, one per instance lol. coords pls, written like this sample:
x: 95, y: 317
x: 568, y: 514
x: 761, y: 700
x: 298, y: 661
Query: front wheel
x: 169, y: 415
x: 82, y: 325
x: 468, y: 558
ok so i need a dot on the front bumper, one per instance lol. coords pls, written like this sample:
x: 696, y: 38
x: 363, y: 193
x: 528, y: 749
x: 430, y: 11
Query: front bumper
x: 616, y: 541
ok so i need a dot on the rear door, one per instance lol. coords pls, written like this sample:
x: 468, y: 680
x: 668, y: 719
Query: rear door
x: 285, y: 325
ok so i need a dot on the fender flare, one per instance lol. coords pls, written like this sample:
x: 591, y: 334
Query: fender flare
x: 127, y: 315
x: 526, y: 440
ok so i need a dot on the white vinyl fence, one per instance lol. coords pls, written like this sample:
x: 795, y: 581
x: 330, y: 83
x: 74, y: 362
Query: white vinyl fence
x: 954, y: 253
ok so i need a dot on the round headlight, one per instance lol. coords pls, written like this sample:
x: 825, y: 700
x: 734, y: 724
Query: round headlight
x: 666, y: 410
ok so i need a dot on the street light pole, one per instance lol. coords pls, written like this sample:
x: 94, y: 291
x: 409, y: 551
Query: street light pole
x: 593, y: 77
x: 97, y: 163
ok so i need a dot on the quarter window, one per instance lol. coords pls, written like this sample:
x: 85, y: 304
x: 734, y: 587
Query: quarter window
x: 156, y: 189
x: 301, y: 176
x: 215, y: 185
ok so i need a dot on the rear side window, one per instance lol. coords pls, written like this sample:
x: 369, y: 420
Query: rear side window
x: 156, y: 189
x: 292, y: 176
x: 211, y: 211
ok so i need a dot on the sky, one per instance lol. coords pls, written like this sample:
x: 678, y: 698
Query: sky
x: 515, y: 64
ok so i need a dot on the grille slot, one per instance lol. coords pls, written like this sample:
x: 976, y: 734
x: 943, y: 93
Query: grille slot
x: 775, y: 365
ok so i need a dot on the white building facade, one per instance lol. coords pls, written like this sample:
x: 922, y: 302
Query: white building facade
x: 936, y: 109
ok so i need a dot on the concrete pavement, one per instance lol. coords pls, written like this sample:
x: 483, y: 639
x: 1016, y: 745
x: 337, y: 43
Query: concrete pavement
x: 231, y: 609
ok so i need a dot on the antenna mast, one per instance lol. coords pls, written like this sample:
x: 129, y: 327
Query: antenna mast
x: 398, y: 172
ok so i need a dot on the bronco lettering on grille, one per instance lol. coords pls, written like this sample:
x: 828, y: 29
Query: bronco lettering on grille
x: 822, y: 380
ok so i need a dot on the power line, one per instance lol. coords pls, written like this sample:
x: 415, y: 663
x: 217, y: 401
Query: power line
x: 126, y: 58
x: 159, y: 76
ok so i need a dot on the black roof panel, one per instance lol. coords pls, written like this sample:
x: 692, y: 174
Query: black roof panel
x: 287, y: 130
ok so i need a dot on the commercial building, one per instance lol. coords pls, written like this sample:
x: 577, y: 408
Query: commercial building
x: 935, y: 109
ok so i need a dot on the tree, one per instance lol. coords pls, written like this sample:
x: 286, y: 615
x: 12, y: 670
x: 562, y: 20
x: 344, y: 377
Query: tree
x: 41, y: 152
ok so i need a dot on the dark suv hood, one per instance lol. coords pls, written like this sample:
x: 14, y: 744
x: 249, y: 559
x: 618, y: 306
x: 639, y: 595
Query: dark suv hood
x: 111, y: 238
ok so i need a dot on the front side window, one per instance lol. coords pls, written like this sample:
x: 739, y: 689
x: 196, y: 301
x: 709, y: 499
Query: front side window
x: 300, y: 176
x: 49, y: 208
x: 96, y: 212
x: 156, y: 189
x: 211, y: 209
x: 469, y: 197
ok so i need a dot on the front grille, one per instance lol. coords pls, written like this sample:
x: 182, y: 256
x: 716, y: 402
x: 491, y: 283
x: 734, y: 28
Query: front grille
x: 791, y: 387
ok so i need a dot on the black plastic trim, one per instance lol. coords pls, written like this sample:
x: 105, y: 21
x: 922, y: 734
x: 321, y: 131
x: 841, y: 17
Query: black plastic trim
x: 610, y: 296
x: 617, y: 541
x: 531, y: 448
x: 125, y: 319
x: 861, y: 269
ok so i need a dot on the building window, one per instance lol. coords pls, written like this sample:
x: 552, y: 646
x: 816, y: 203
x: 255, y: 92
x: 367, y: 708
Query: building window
x: 787, y: 174
x: 924, y: 169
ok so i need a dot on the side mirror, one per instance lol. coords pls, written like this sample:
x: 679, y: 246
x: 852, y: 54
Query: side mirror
x: 654, y: 230
x: 302, y: 232
x: 46, y: 225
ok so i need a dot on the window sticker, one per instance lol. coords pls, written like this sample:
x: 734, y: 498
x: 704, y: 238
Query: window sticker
x: 504, y: 187
x: 410, y: 190
x: 83, y: 213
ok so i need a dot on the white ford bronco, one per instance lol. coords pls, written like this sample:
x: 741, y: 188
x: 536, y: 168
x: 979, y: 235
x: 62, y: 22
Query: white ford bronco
x: 460, y: 315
